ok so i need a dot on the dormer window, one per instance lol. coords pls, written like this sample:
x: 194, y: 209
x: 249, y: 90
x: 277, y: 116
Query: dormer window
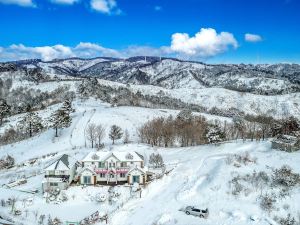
x: 129, y: 156
x: 95, y: 157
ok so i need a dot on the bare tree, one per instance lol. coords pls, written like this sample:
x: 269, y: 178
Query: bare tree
x: 126, y: 137
x: 100, y: 133
x: 156, y: 160
x: 91, y: 133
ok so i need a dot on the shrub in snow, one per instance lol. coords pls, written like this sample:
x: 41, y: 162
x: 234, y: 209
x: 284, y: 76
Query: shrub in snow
x: 285, y: 177
x: 55, y: 221
x: 267, y: 202
x: 289, y: 220
x: 237, y: 188
x: 7, y: 162
x: 100, y: 197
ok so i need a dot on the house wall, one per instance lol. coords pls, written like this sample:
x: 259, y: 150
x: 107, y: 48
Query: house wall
x: 60, y: 185
x: 117, y: 177
x: 57, y: 172
x: 86, y: 173
x: 113, y: 160
x: 142, y: 177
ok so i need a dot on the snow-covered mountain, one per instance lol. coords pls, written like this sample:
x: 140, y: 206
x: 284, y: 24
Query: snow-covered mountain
x: 173, y: 73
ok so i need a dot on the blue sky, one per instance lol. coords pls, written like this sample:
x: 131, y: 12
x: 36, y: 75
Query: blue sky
x: 214, y: 31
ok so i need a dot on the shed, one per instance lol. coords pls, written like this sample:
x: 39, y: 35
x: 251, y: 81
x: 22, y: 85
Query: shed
x: 286, y: 143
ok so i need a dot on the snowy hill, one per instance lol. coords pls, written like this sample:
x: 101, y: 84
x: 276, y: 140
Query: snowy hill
x: 200, y: 176
x: 173, y: 73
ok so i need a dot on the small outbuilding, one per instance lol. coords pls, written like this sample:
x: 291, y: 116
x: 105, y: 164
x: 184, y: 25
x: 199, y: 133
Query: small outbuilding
x: 286, y: 143
x: 60, y: 173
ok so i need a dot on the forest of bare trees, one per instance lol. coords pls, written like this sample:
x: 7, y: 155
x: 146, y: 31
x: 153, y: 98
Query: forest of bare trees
x: 189, y: 130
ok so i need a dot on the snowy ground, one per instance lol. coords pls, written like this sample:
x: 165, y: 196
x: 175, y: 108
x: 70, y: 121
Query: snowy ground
x: 199, y: 177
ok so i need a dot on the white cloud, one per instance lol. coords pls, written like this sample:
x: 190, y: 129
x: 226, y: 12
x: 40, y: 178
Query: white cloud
x: 89, y: 50
x: 24, y: 3
x: 105, y: 6
x: 64, y: 2
x: 46, y: 53
x: 206, y: 43
x: 253, y: 37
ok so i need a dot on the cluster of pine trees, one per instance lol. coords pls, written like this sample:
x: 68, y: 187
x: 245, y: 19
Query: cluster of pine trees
x: 32, y: 124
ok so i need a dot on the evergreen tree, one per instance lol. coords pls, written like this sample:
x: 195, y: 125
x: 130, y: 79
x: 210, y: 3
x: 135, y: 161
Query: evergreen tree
x: 115, y: 133
x: 60, y: 119
x: 4, y: 110
x: 67, y: 106
x: 31, y: 124
x: 215, y: 134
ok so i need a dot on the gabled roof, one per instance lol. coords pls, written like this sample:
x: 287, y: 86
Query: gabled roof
x: 64, y: 162
x: 87, y: 168
x: 121, y: 156
x: 136, y: 168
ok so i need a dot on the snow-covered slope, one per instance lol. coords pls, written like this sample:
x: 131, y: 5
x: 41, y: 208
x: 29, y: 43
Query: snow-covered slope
x: 277, y: 106
x: 173, y: 73
x: 199, y: 176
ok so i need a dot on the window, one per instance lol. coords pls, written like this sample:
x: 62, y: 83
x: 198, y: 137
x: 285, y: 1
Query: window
x: 112, y: 164
x: 122, y: 175
x: 86, y: 179
x: 101, y: 164
x: 51, y: 172
x: 123, y: 164
x: 102, y: 175
x: 52, y: 184
x: 112, y: 175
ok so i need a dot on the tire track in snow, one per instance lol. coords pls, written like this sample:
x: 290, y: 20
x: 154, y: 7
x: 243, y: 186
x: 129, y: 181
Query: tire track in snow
x: 81, y: 122
x: 162, y: 194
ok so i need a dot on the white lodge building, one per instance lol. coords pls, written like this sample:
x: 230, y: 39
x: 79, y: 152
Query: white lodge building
x: 59, y: 173
x: 112, y: 168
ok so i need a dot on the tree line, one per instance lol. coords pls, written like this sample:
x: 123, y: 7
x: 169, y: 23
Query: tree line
x: 32, y: 124
x: 96, y: 133
x: 188, y: 130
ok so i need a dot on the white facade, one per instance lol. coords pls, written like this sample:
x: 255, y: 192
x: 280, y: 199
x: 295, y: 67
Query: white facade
x: 60, y: 173
x: 112, y: 168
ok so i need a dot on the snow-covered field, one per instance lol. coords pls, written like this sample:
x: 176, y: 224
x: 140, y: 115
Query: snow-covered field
x: 199, y: 176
